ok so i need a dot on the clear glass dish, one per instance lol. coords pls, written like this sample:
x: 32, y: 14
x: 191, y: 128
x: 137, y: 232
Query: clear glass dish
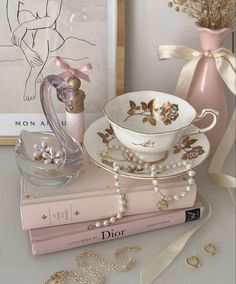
x: 50, y: 159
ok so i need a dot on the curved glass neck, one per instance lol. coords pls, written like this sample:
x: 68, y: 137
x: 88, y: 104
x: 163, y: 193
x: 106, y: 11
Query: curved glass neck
x: 65, y: 94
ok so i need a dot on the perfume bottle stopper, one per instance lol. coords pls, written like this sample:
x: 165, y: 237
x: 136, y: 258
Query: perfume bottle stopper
x: 75, y: 111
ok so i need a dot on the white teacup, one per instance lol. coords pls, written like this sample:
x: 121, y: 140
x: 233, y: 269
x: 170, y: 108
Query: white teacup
x: 150, y: 123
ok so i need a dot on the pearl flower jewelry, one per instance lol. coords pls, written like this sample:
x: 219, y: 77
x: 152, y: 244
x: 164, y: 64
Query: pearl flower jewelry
x: 47, y: 154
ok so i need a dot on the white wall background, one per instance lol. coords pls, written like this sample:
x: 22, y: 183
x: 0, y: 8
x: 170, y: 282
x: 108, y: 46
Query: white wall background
x: 150, y: 23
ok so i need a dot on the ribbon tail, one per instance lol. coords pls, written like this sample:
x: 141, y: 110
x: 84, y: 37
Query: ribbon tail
x: 224, y: 180
x: 65, y: 74
x: 61, y: 62
x: 185, y: 78
x: 226, y: 68
x: 81, y: 75
x: 86, y: 67
x: 221, y: 154
x: 177, y: 52
x: 161, y: 262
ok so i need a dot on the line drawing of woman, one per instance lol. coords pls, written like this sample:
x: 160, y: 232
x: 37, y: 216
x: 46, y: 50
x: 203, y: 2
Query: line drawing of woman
x: 33, y: 25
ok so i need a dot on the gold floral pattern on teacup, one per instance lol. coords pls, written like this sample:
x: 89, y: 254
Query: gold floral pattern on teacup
x: 146, y: 110
x: 190, y: 152
x: 168, y: 112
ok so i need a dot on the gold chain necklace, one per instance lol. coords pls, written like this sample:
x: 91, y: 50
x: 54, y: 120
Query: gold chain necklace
x: 61, y: 276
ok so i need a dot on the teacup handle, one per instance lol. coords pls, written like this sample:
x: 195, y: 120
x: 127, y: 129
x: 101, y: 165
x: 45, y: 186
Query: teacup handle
x: 204, y: 112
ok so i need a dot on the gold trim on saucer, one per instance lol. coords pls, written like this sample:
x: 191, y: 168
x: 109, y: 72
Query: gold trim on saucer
x: 96, y: 148
x: 161, y: 160
x: 130, y: 175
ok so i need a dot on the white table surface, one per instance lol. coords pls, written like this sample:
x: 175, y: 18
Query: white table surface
x: 18, y: 266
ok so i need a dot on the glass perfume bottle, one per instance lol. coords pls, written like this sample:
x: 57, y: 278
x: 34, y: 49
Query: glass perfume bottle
x: 75, y: 122
x: 50, y: 159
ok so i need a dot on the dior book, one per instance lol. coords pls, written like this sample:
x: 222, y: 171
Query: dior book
x: 92, y: 196
x: 58, y: 238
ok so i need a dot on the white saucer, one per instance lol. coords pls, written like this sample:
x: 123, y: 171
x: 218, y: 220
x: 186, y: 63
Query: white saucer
x: 194, y: 150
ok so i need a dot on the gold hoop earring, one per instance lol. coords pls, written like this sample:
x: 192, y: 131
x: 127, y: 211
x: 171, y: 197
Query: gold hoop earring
x: 210, y: 249
x: 193, y: 262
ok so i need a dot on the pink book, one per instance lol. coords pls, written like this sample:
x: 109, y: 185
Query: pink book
x: 92, y: 196
x: 58, y: 238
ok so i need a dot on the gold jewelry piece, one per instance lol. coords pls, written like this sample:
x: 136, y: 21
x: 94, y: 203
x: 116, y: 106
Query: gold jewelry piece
x: 162, y: 205
x: 210, y: 249
x: 61, y: 276
x: 193, y: 262
x: 119, y: 255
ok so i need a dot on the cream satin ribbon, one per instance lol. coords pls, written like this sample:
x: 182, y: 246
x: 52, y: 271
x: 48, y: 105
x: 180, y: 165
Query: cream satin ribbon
x: 153, y: 269
x: 222, y: 152
x: 224, y: 58
x: 226, y: 66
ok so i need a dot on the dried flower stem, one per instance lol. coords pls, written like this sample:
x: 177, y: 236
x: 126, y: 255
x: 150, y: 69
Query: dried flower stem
x: 213, y: 14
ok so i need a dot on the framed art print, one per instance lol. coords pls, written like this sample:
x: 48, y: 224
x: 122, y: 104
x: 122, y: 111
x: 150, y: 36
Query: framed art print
x: 33, y: 33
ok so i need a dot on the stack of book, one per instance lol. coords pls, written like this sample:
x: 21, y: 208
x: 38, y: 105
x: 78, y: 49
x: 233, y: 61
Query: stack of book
x: 62, y: 218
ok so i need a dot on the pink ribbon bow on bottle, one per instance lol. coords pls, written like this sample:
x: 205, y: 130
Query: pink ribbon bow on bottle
x: 70, y: 71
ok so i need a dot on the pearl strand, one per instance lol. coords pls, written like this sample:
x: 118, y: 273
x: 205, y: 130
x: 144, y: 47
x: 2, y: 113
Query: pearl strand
x: 136, y: 164
x: 164, y: 203
x: 123, y: 203
x: 130, y: 156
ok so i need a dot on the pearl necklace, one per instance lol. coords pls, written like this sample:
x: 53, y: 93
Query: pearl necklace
x: 122, y: 198
x: 163, y: 204
x: 131, y: 162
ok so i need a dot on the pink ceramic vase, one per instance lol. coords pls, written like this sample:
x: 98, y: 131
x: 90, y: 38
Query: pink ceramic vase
x: 207, y: 87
